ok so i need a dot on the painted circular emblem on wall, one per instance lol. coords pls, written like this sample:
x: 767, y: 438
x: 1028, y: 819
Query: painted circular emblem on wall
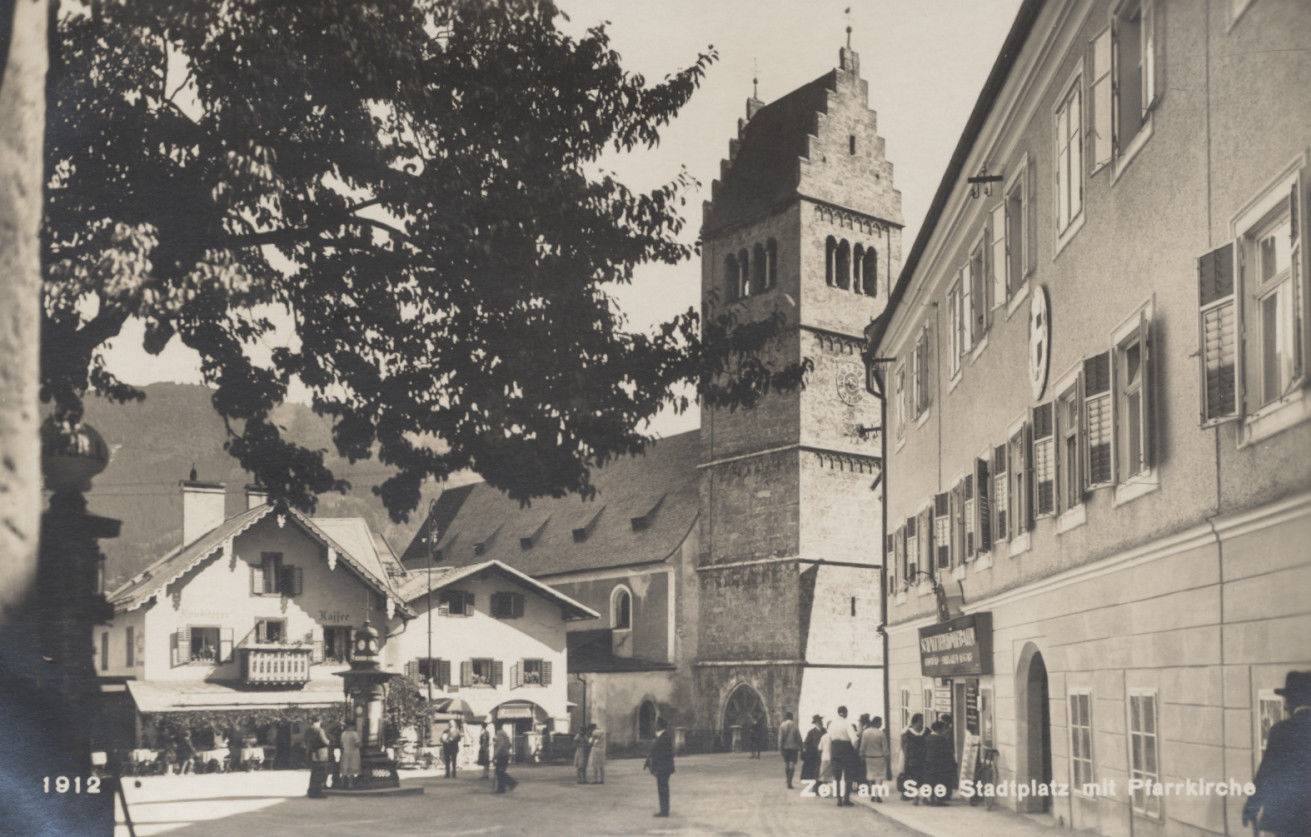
x: 851, y: 382
x: 1040, y: 340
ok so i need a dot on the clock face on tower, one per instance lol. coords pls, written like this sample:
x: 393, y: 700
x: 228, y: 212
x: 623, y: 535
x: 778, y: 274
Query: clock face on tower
x: 851, y: 382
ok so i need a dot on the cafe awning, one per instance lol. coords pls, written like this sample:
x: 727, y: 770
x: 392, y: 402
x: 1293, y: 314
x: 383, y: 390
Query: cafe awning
x: 152, y: 697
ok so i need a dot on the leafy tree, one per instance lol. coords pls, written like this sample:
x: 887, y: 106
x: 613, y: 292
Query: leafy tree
x: 417, y: 182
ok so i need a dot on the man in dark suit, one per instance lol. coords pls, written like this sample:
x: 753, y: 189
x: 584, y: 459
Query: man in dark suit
x: 1282, y: 803
x: 316, y: 745
x: 660, y: 762
x: 789, y: 744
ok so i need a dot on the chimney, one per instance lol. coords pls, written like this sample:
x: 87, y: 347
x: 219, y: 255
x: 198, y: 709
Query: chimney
x: 256, y: 495
x: 202, y: 507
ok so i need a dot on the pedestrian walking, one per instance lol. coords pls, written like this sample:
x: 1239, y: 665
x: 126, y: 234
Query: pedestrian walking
x: 485, y: 748
x: 874, y: 754
x: 501, y: 759
x: 1282, y: 803
x: 450, y: 742
x: 316, y: 745
x: 349, y: 768
x: 940, y: 763
x: 789, y: 744
x: 757, y: 735
x: 582, y: 752
x: 810, y: 750
x: 912, y: 755
x: 842, y: 738
x: 660, y: 763
x: 596, y: 757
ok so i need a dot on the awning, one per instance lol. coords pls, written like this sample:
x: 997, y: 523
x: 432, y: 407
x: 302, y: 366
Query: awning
x: 161, y: 696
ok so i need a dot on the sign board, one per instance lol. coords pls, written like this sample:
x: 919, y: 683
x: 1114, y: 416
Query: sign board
x: 969, y: 758
x: 957, y: 647
x: 972, y: 707
x: 942, y: 699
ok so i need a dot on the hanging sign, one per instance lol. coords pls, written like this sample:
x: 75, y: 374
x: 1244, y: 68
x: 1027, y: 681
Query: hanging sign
x: 961, y: 646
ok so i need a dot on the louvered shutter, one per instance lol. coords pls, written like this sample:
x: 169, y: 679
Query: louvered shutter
x: 925, y: 530
x: 1044, y: 459
x: 443, y: 673
x: 1101, y: 126
x: 516, y: 675
x: 942, y: 530
x: 225, y: 645
x: 182, y: 646
x: 1000, y: 492
x: 912, y: 549
x: 546, y: 672
x: 999, y: 247
x: 983, y: 505
x: 1147, y: 404
x: 466, y: 673
x: 1031, y: 216
x: 498, y: 672
x: 1099, y: 431
x: 969, y: 532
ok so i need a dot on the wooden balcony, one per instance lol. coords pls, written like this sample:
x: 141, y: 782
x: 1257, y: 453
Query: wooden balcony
x: 275, y: 665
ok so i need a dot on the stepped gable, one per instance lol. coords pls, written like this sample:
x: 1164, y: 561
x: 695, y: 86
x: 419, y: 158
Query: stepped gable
x: 644, y: 508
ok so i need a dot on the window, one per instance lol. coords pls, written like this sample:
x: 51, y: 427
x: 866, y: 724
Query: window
x: 1015, y: 244
x: 104, y: 650
x: 730, y: 276
x: 954, y: 342
x: 456, y: 602
x: 1068, y: 460
x: 927, y: 702
x: 1069, y: 157
x: 830, y: 260
x: 337, y: 643
x: 1270, y: 262
x: 743, y: 274
x: 905, y: 708
x: 961, y: 544
x: 1126, y: 73
x: 1000, y: 493
x: 1133, y: 437
x: 1020, y: 494
x: 842, y: 265
x: 890, y: 562
x: 431, y: 668
x: 977, y: 304
x: 621, y: 609
x: 265, y: 575
x: 1044, y: 460
x: 999, y: 253
x: 967, y: 526
x: 1143, y: 749
x: 270, y: 631
x: 857, y: 266
x: 1269, y: 711
x: 869, y: 272
x: 533, y: 673
x: 912, y: 550
x: 942, y: 531
x: 1081, y: 758
x: 481, y: 671
x: 204, y: 645
x: 851, y: 143
x: 771, y: 263
x: 507, y: 605
x: 1097, y: 420
x: 903, y: 408
x: 921, y: 373
x: 131, y: 646
x: 983, y: 492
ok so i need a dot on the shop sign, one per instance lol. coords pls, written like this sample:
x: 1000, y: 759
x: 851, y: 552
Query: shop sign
x: 972, y: 706
x: 957, y: 647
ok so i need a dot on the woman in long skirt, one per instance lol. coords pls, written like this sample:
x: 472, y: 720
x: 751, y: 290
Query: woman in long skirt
x: 810, y: 750
x: 596, y: 758
x: 485, y: 749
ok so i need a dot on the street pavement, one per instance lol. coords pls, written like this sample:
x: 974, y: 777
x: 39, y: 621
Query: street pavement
x: 726, y: 794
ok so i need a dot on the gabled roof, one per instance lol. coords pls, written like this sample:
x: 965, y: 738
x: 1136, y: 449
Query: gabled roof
x: 150, y: 582
x: 416, y: 585
x: 626, y: 488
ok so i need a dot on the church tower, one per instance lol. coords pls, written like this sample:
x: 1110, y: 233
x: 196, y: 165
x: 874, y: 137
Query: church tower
x: 804, y: 221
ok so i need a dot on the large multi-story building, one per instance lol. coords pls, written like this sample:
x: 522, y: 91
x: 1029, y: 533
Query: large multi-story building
x: 1099, y: 493
x: 738, y: 569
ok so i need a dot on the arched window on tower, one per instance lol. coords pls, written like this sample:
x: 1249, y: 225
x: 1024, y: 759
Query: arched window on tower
x: 830, y: 260
x: 743, y: 273
x: 842, y: 266
x: 771, y: 263
x: 869, y: 273
x: 621, y: 608
x: 759, y: 281
x: 730, y: 276
x: 857, y: 262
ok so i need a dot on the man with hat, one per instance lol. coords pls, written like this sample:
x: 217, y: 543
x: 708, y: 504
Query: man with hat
x: 1282, y: 803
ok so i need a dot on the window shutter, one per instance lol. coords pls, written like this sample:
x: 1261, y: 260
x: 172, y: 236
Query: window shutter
x: 1147, y: 404
x: 182, y: 646
x: 546, y: 672
x: 925, y: 530
x: 466, y: 672
x: 982, y: 505
x: 942, y: 530
x: 443, y: 673
x: 1102, y: 96
x: 225, y: 645
x: 1217, y: 338
x: 498, y: 672
x: 1099, y: 431
x: 1031, y: 215
x: 999, y: 248
x: 1001, y: 492
x: 1044, y: 460
x: 967, y: 307
x: 1150, y: 65
x: 902, y: 568
x: 1026, y: 497
x: 516, y: 675
x: 1115, y: 89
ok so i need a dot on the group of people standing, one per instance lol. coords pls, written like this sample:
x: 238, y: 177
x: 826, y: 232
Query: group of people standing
x: 846, y: 753
x: 589, y: 755
x: 928, y: 759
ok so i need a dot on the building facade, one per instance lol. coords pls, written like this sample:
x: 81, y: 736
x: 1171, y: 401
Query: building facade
x: 1098, y: 487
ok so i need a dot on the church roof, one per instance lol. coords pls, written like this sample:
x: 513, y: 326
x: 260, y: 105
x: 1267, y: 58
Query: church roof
x: 766, y: 170
x: 644, y: 508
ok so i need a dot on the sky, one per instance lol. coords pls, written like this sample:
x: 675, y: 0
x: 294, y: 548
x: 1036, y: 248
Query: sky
x: 925, y: 61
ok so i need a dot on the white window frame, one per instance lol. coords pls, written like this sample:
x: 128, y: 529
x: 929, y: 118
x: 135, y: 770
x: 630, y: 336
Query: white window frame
x: 1020, y: 291
x: 979, y: 340
x: 1018, y: 542
x: 1129, y: 488
x: 1063, y: 235
x: 1122, y: 156
x: 905, y: 707
x: 1069, y: 515
x: 1145, y: 810
x: 614, y: 612
x: 1077, y: 785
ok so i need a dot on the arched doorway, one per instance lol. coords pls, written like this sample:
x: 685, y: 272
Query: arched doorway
x: 646, y: 720
x: 742, y: 710
x: 1033, y: 714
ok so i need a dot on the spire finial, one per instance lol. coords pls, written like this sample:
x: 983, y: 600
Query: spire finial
x: 847, y: 12
x: 755, y: 79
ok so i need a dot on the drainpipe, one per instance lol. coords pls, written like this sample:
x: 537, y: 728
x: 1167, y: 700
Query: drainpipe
x: 883, y: 576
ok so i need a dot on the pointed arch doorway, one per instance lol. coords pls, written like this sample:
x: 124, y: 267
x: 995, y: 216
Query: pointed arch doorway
x: 741, y: 711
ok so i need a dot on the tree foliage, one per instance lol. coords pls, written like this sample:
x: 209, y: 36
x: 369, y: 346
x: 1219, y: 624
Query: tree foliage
x: 418, y: 184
